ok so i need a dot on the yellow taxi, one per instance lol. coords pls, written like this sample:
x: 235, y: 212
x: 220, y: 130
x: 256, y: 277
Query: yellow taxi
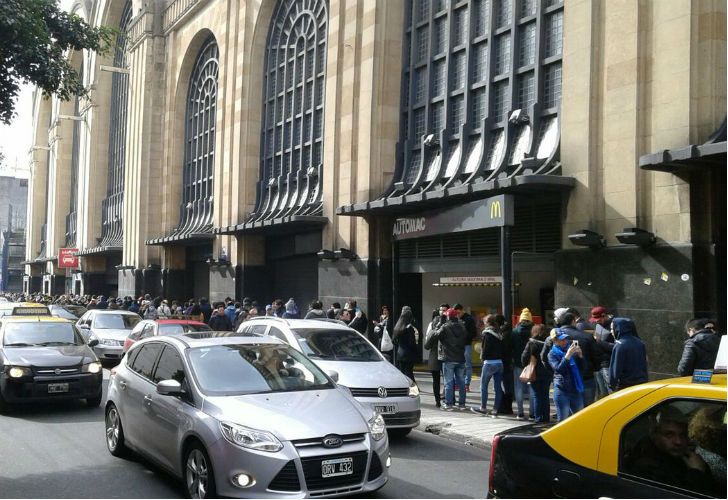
x: 44, y: 358
x: 662, y: 439
x: 23, y: 309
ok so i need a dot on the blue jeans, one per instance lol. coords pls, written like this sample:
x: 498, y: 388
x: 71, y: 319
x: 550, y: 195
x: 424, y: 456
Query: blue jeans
x: 540, y: 397
x: 521, y: 390
x: 454, y: 375
x: 602, y: 379
x: 590, y: 390
x: 567, y: 403
x: 468, y: 363
x: 494, y: 371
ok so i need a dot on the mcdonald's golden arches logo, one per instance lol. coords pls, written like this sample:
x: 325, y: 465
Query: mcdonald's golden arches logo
x: 495, y: 209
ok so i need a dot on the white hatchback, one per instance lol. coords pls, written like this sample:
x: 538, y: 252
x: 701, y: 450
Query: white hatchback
x: 333, y: 346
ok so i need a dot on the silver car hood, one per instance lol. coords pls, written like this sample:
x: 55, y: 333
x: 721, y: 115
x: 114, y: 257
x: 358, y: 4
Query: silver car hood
x: 293, y: 415
x: 111, y: 333
x: 365, y: 374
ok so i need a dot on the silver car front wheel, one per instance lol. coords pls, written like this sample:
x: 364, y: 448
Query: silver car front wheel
x: 198, y: 474
x: 114, y: 432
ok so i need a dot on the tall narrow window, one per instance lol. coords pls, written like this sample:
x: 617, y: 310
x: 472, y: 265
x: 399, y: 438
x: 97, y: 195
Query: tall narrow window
x: 197, y: 178
x: 112, y: 206
x: 293, y: 111
x: 72, y: 217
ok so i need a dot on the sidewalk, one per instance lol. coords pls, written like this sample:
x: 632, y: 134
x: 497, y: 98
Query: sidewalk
x: 462, y: 426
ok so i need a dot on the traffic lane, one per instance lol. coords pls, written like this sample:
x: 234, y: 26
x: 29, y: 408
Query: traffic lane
x: 427, y: 466
x: 59, y: 451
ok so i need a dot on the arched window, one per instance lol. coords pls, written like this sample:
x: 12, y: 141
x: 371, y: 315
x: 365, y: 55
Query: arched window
x: 112, y: 206
x: 466, y: 66
x: 197, y: 179
x: 293, y: 111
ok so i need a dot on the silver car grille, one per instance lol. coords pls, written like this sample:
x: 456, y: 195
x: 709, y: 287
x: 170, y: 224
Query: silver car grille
x: 58, y: 371
x: 346, y: 438
x: 373, y: 392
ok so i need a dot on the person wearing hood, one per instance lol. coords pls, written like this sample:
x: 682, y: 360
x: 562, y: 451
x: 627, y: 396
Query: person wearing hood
x: 628, y: 364
x: 491, y: 353
x: 565, y: 359
x: 701, y: 347
x: 231, y: 312
x: 291, y: 310
x: 316, y: 311
x: 103, y: 303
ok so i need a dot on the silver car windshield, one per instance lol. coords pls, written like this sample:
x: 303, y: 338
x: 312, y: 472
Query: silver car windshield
x: 50, y: 334
x: 116, y: 321
x: 253, y: 369
x: 339, y: 345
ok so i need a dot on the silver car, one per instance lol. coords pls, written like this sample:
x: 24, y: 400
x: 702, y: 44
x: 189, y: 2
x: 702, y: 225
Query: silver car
x: 110, y: 328
x: 243, y: 417
x: 332, y: 345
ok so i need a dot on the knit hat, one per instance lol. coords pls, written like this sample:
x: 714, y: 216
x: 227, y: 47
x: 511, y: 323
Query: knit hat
x: 558, y: 313
x: 554, y: 332
x: 526, y: 315
x: 451, y: 313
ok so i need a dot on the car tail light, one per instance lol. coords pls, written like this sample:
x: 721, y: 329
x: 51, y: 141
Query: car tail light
x: 491, y: 469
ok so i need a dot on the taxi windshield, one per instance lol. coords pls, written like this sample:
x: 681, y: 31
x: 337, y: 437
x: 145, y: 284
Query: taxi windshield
x: 335, y: 344
x: 116, y: 321
x: 40, y: 333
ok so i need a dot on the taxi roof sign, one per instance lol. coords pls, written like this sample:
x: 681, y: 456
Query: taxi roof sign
x: 39, y: 310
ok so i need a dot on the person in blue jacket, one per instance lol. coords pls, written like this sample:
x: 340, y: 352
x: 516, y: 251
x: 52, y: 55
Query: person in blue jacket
x: 565, y: 358
x: 628, y: 364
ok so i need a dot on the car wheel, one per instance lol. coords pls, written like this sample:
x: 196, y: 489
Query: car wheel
x: 199, y: 478
x: 114, y: 432
x: 399, y: 432
x: 94, y: 402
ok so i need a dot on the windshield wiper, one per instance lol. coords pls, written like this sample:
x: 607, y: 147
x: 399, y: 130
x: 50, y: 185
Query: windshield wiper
x: 18, y: 344
x: 56, y: 342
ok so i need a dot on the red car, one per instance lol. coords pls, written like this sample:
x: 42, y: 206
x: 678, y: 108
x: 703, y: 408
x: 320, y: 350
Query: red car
x: 152, y: 327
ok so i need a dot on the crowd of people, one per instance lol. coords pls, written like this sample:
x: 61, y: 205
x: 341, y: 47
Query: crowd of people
x: 584, y: 359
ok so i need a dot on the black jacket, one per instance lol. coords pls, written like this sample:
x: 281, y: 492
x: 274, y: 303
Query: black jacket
x: 533, y: 348
x: 491, y: 345
x: 405, y: 343
x: 453, y: 337
x: 604, y: 353
x: 432, y: 343
x: 220, y: 323
x: 519, y: 338
x: 700, y: 352
x: 470, y: 327
x: 360, y: 324
x: 588, y: 349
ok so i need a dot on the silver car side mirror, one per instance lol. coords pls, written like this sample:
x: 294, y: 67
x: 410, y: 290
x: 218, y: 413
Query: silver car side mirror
x: 93, y: 342
x: 333, y: 374
x: 169, y: 388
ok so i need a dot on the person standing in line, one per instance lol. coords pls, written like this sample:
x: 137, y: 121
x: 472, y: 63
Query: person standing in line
x: 519, y: 338
x: 377, y: 332
x: 565, y: 358
x: 434, y: 361
x: 206, y: 309
x: 491, y: 353
x: 628, y: 364
x: 506, y: 406
x: 603, y: 350
x: 405, y: 338
x: 539, y: 388
x: 601, y: 322
x: 452, y: 336
x: 219, y: 322
x: 701, y: 347
x: 589, y: 361
x: 291, y: 310
x: 316, y: 311
x: 470, y: 327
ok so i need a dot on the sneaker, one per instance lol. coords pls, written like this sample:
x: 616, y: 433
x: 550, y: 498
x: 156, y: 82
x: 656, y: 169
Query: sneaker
x: 519, y: 416
x: 493, y: 414
x: 462, y: 408
x: 445, y: 407
x: 531, y: 418
x: 480, y: 411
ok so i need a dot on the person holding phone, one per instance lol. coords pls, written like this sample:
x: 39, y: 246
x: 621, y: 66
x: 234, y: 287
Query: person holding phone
x: 565, y: 359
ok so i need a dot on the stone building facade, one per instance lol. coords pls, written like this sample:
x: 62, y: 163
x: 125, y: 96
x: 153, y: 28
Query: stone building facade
x: 266, y: 148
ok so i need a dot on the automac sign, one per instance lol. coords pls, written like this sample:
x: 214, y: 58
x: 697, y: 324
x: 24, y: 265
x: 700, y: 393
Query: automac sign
x: 496, y: 211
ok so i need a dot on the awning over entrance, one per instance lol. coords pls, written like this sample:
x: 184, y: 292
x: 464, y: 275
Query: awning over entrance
x: 282, y: 225
x: 100, y: 250
x: 182, y: 239
x: 694, y: 157
x: 405, y: 204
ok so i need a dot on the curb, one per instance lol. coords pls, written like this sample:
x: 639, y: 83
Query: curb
x: 443, y: 430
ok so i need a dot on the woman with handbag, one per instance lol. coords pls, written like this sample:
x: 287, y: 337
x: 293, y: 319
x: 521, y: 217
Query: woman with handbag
x: 536, y: 374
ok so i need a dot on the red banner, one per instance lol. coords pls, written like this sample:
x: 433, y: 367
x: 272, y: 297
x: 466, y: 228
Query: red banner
x: 67, y: 258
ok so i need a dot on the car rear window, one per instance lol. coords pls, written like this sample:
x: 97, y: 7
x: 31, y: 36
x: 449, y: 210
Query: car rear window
x: 40, y: 334
x: 237, y: 369
x: 171, y: 329
x: 335, y: 344
x: 116, y: 321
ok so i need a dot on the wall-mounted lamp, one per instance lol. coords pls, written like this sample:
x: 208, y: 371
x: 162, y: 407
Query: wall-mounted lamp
x: 326, y: 255
x: 113, y: 69
x: 587, y: 238
x: 636, y: 236
x: 345, y: 253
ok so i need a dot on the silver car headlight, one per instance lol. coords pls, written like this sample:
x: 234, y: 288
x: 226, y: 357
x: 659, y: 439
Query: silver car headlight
x: 377, y: 427
x: 246, y: 437
x: 19, y: 371
x: 108, y: 342
x: 92, y: 367
x: 414, y: 391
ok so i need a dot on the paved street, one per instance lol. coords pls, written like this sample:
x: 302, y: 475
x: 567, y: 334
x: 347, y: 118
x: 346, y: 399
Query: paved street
x: 59, y: 452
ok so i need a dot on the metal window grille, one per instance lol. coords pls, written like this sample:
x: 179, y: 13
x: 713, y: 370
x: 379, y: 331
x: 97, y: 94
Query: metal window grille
x: 292, y: 144
x: 200, y: 120
x: 112, y: 206
x: 71, y: 218
x: 441, y: 5
x: 492, y: 62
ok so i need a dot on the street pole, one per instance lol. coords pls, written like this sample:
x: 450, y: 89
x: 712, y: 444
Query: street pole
x: 506, y: 273
x: 395, y: 290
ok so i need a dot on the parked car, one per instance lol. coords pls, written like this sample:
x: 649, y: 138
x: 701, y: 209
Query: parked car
x: 154, y: 327
x: 243, y: 417
x: 43, y: 358
x: 332, y: 345
x: 110, y: 328
x: 67, y: 312
x: 662, y: 439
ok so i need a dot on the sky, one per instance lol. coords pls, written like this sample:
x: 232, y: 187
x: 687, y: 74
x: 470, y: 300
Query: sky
x: 16, y: 138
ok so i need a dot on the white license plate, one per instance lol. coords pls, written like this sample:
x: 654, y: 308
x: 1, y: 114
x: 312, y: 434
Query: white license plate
x: 385, y: 409
x: 337, y: 467
x: 54, y: 388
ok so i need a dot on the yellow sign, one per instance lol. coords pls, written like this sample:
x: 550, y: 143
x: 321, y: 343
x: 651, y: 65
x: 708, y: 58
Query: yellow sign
x: 495, y: 209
